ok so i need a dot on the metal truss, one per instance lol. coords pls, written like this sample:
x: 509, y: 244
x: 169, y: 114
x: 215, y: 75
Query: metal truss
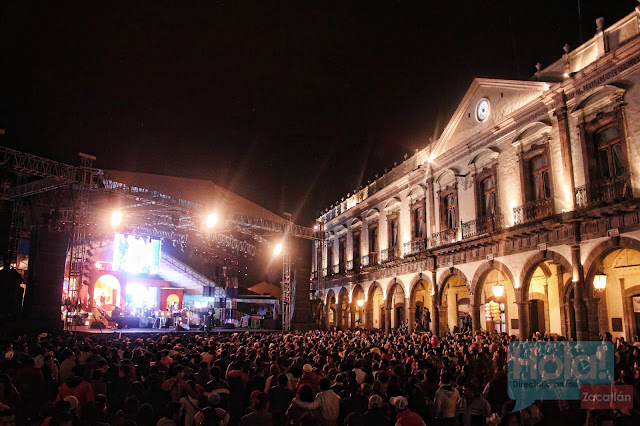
x: 286, y: 227
x: 36, y: 166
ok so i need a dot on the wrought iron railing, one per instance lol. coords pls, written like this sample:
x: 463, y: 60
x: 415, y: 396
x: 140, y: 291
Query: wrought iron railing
x: 373, y: 259
x: 606, y: 191
x: 336, y: 269
x: 392, y: 253
x: 365, y: 260
x: 532, y: 211
x: 324, y: 272
x: 349, y: 265
x: 444, y: 237
x: 418, y: 245
x: 482, y: 225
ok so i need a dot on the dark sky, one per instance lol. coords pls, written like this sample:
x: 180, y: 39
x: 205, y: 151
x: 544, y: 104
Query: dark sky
x: 289, y: 104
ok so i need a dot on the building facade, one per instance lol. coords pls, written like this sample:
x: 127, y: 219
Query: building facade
x: 522, y: 216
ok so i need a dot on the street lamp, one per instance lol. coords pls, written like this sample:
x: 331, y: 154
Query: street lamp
x: 600, y: 282
x: 498, y: 290
x: 116, y: 218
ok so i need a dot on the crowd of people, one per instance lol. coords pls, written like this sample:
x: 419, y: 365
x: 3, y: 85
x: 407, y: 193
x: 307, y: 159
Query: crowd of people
x: 317, y: 378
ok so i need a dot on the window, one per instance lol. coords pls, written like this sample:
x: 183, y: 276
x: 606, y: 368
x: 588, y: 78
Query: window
x: 356, y: 248
x: 488, y: 196
x: 419, y: 223
x: 540, y: 184
x: 451, y: 217
x: 393, y: 231
x: 342, y: 254
x: 330, y: 257
x: 609, y: 148
x: 373, y: 239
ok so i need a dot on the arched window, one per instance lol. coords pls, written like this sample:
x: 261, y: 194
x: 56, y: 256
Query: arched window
x: 540, y: 183
x: 609, y: 148
x: 451, y: 216
x: 489, y: 196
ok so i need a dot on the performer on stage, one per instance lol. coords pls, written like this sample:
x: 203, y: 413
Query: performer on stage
x: 175, y: 313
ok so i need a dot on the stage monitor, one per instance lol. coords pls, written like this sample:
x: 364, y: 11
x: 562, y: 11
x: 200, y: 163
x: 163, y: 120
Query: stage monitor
x: 136, y: 255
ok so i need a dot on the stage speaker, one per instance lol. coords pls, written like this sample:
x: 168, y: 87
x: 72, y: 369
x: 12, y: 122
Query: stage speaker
x: 183, y: 327
x: 47, y: 259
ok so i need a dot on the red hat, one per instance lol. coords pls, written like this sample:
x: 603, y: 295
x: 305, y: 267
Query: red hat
x: 255, y: 394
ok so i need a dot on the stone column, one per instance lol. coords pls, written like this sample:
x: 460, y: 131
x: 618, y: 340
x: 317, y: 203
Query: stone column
x: 387, y: 316
x: 582, y: 327
x: 410, y: 314
x: 369, y: 316
x: 435, y: 306
x: 338, y: 316
x: 435, y: 320
x: 352, y: 309
x: 592, y: 313
x: 565, y: 152
x: 432, y: 209
x: 523, y: 320
x: 475, y: 318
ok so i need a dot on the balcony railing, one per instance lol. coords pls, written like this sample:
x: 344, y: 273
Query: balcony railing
x: 532, y: 211
x: 336, y: 269
x: 365, y: 260
x: 444, y: 237
x: 370, y: 259
x: 324, y: 272
x: 392, y: 253
x: 349, y: 265
x: 482, y: 225
x: 605, y: 191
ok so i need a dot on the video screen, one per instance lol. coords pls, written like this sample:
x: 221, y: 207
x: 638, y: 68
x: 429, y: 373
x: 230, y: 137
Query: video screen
x: 141, y: 296
x: 136, y: 255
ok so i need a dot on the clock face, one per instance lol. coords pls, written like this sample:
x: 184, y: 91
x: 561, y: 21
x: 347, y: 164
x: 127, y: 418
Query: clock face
x: 483, y: 109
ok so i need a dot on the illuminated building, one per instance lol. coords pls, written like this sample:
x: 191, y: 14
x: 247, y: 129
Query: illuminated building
x: 528, y: 196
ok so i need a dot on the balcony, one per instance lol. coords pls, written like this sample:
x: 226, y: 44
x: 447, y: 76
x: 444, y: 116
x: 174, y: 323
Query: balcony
x: 482, y: 225
x: 392, y: 253
x: 336, y: 269
x: 370, y: 259
x: 532, y: 211
x: 349, y: 265
x: 603, y: 191
x: 324, y: 272
x: 444, y: 237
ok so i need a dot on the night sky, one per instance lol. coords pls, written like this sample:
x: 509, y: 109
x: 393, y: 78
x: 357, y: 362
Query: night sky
x: 289, y: 104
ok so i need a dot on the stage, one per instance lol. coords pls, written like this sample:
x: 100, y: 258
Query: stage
x: 148, y: 331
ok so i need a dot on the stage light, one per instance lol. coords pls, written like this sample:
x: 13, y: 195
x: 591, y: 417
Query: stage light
x: 277, y: 249
x: 116, y: 218
x: 211, y: 221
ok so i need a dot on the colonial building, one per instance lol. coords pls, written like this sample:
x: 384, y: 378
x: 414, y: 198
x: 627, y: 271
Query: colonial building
x: 522, y: 216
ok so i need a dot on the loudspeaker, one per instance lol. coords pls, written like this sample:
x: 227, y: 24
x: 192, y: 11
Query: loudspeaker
x: 47, y: 259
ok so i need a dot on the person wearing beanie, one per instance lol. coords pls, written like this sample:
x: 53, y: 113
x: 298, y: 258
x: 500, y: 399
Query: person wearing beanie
x: 404, y: 416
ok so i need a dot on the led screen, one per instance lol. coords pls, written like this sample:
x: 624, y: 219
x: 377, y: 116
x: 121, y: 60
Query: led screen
x: 141, y: 296
x: 137, y: 255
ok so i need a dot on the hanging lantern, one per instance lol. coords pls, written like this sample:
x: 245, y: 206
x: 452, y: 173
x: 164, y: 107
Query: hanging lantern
x: 600, y: 282
x: 498, y: 290
x: 487, y: 311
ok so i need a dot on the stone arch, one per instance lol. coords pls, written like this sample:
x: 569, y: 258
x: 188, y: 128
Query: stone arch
x: 418, y: 192
x: 596, y: 94
x: 488, y: 154
x: 374, y: 313
x: 481, y: 274
x: 392, y: 285
x: 599, y: 320
x: 533, y: 262
x: 453, y: 271
x: 599, y: 252
x: 415, y: 281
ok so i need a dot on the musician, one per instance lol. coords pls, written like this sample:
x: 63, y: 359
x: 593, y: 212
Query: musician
x: 175, y: 313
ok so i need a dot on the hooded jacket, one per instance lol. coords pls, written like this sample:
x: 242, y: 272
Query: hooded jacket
x: 446, y: 400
